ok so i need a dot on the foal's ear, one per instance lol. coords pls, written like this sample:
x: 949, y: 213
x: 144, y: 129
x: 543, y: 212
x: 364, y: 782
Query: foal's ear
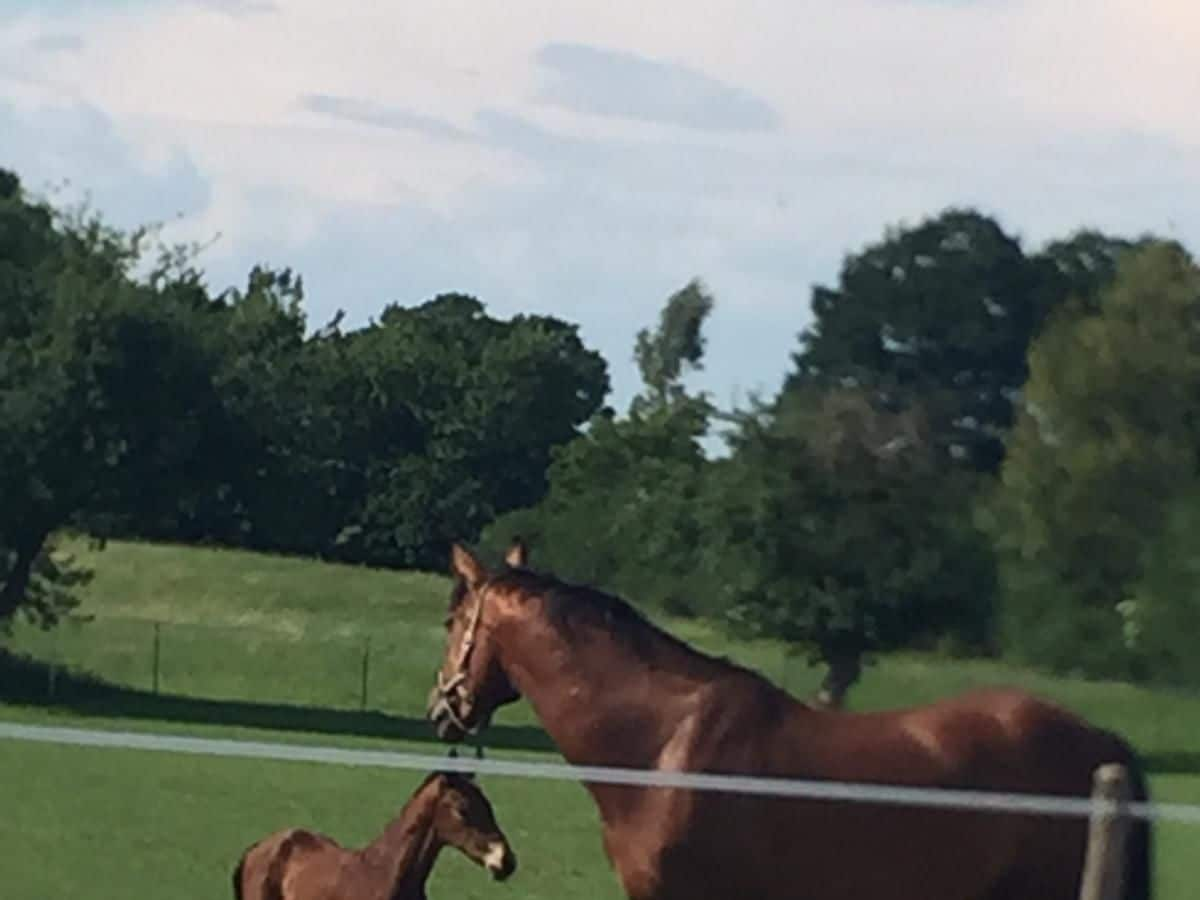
x: 465, y: 565
x: 518, y: 554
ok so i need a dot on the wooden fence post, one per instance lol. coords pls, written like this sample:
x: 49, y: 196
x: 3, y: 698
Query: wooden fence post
x: 1104, y: 864
x: 366, y: 673
x: 52, y: 668
x: 156, y: 655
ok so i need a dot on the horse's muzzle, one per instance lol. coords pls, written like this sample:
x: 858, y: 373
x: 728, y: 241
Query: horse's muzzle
x: 445, y: 722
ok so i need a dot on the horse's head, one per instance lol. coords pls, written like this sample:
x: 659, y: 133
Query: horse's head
x: 471, y: 684
x: 463, y: 818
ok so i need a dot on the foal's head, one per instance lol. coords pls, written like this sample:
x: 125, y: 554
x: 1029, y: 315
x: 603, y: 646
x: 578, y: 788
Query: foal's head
x: 463, y: 818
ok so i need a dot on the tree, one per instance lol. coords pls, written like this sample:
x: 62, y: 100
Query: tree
x: 834, y: 527
x: 1079, y: 267
x: 284, y: 481
x: 675, y: 347
x: 460, y: 415
x: 621, y: 512
x: 621, y: 507
x: 940, y: 315
x: 148, y: 407
x: 83, y: 430
x: 248, y: 480
x: 382, y: 444
x: 929, y: 325
x: 1161, y: 610
x: 1105, y: 442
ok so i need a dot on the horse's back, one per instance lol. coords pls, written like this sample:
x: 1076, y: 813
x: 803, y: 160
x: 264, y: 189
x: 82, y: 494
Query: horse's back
x: 1010, y: 740
x: 1062, y: 753
x: 985, y: 739
x: 1019, y: 738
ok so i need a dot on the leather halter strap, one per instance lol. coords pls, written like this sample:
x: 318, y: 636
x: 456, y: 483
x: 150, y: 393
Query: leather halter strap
x: 453, y: 687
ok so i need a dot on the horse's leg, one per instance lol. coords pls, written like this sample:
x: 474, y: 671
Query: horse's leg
x: 1027, y: 884
x: 632, y: 864
x: 649, y: 871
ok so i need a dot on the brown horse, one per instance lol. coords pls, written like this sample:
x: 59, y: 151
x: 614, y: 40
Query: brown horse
x: 611, y: 689
x: 445, y: 810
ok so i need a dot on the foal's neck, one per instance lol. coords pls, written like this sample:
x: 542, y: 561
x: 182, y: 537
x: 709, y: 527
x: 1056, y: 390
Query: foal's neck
x: 409, y: 846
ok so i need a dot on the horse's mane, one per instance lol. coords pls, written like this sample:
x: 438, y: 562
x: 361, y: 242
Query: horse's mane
x: 569, y: 608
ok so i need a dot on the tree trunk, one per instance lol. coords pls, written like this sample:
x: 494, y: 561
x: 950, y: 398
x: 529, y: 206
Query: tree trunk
x: 16, y: 583
x: 842, y: 673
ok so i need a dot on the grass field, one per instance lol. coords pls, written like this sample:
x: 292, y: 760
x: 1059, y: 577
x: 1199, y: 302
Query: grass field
x: 250, y: 645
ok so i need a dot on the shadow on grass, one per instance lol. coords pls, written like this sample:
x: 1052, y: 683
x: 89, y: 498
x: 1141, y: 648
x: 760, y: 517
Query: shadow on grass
x: 1172, y: 762
x: 30, y: 682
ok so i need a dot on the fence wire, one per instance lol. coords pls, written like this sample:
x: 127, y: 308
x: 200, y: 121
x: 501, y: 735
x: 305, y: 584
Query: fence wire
x: 895, y: 795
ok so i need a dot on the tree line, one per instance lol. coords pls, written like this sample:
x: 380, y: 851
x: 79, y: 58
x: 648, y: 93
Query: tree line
x: 978, y: 448
x: 136, y: 402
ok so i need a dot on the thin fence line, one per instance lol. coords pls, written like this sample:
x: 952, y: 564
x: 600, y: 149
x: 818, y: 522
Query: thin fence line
x: 943, y: 798
x: 251, y: 627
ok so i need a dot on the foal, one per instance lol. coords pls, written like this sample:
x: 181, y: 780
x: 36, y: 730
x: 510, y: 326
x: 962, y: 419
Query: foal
x: 447, y: 809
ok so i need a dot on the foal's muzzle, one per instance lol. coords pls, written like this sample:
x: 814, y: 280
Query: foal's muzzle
x: 507, y: 866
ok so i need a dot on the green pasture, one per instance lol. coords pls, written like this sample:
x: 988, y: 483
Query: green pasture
x: 271, y: 648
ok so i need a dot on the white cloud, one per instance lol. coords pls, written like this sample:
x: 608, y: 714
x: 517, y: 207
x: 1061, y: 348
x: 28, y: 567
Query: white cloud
x: 74, y: 152
x: 399, y: 149
x: 597, y: 81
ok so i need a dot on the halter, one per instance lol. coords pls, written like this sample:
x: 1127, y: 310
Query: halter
x: 452, y: 688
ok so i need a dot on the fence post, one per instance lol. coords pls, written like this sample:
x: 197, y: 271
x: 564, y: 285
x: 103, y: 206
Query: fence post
x: 157, y: 653
x: 366, y: 666
x: 52, y: 668
x: 1104, y: 864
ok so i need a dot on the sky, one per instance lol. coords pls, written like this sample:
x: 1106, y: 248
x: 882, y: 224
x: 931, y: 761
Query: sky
x: 587, y: 159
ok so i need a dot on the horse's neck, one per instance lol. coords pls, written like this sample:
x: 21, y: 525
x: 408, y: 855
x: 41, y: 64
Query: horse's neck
x: 408, y: 848
x: 602, y: 703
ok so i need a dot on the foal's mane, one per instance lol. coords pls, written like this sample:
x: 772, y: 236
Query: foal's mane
x: 452, y: 777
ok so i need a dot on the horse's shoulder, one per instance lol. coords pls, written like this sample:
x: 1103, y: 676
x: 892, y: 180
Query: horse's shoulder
x: 729, y: 717
x: 744, y: 699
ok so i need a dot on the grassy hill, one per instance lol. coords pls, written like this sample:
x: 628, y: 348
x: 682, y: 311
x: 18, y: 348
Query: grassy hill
x: 236, y: 626
x: 250, y: 644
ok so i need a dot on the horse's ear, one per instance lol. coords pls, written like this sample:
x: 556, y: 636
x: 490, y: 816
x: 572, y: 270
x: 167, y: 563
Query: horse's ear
x: 518, y: 554
x: 465, y: 565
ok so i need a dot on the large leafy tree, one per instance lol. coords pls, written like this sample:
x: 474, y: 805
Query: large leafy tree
x: 621, y: 511
x: 1078, y: 268
x: 380, y: 444
x: 854, y: 492
x: 105, y: 388
x: 456, y: 416
x: 940, y: 315
x: 255, y: 470
x: 833, y: 526
x: 1103, y: 452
